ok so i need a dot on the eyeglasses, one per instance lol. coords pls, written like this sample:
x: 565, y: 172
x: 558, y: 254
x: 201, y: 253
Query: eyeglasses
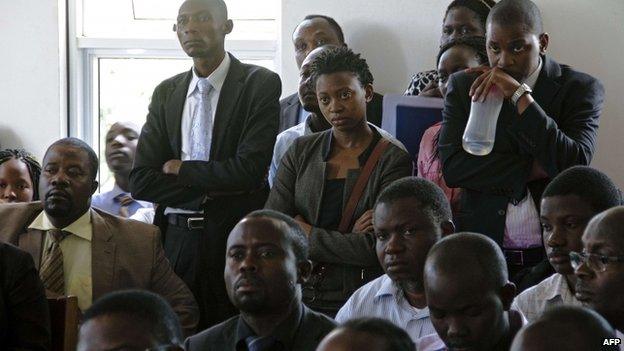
x: 597, y: 263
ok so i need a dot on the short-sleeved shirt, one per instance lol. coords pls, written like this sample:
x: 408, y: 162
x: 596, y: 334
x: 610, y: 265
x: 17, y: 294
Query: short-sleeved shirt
x: 550, y: 292
x: 382, y: 298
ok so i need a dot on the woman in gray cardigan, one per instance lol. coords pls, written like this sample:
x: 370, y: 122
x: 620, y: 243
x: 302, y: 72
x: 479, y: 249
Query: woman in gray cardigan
x: 317, y: 176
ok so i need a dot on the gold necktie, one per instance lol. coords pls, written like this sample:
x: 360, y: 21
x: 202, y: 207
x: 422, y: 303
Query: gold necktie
x: 51, y: 271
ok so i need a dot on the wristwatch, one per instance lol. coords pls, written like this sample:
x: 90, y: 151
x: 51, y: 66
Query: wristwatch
x: 522, y: 89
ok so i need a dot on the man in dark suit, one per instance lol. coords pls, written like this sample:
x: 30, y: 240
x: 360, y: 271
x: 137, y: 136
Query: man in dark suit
x: 312, y: 32
x: 83, y: 251
x: 24, y: 313
x: 204, y: 152
x: 266, y: 263
x: 548, y: 122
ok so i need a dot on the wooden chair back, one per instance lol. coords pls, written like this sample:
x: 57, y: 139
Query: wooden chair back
x: 64, y: 317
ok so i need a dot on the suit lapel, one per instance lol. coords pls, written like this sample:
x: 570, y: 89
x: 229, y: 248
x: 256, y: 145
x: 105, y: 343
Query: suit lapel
x: 173, y: 113
x: 547, y: 87
x: 102, y: 256
x: 32, y: 242
x: 291, y: 114
x: 228, y: 98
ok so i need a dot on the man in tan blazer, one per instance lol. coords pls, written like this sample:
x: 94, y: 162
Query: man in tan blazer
x: 96, y: 252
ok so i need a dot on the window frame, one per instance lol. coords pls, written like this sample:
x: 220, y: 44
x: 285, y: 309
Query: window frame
x: 84, y: 53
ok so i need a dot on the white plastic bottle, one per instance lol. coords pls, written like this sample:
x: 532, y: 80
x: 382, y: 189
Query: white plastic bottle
x: 480, y: 130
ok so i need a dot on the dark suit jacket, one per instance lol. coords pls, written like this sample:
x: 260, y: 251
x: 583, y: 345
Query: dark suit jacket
x: 126, y: 254
x: 298, y: 190
x: 24, y: 312
x: 290, y: 105
x: 245, y: 128
x: 558, y: 130
x: 223, y: 337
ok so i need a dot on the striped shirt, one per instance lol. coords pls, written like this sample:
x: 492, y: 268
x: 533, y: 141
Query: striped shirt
x: 382, y: 298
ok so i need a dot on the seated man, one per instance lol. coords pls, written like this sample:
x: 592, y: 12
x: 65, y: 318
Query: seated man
x: 548, y: 123
x: 469, y: 296
x: 600, y: 267
x: 565, y: 328
x: 409, y: 217
x: 565, y: 211
x: 121, y: 143
x: 312, y: 32
x: 24, y: 312
x: 84, y: 251
x: 266, y: 262
x: 371, y: 334
x: 130, y: 320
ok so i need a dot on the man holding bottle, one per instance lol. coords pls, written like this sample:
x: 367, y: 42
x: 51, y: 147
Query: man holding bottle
x: 548, y: 122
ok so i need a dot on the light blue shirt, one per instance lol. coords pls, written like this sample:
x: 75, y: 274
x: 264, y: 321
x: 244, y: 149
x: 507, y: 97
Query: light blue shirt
x: 283, y: 142
x: 303, y: 115
x: 382, y: 298
x: 107, y: 201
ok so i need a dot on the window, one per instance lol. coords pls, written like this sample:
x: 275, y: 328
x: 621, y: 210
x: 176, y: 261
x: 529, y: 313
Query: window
x: 124, y: 48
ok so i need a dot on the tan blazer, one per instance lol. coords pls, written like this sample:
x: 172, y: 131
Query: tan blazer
x: 126, y: 254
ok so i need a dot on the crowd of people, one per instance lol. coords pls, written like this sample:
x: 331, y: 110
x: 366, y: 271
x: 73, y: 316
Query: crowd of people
x: 241, y: 222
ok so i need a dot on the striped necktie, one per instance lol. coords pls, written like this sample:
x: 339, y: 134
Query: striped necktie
x: 51, y: 271
x: 261, y: 343
x: 125, y: 200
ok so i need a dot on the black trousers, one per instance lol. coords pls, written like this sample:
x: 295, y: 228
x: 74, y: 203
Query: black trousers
x: 198, y: 256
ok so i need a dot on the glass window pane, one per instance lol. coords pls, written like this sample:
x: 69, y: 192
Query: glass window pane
x: 125, y: 90
x: 147, y: 19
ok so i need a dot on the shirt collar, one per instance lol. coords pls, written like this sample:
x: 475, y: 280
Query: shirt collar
x: 80, y: 227
x: 532, y: 78
x: 116, y: 191
x: 216, y: 78
x: 285, y: 332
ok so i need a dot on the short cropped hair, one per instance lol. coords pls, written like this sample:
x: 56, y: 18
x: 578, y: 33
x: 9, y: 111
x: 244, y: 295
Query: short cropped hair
x: 34, y: 168
x: 566, y: 328
x: 479, y: 254
x: 148, y: 309
x: 332, y: 23
x: 221, y: 6
x: 430, y: 197
x: 513, y: 12
x: 341, y: 59
x: 480, y: 7
x: 396, y: 338
x: 79, y: 144
x: 476, y: 43
x: 589, y: 184
x: 294, y: 232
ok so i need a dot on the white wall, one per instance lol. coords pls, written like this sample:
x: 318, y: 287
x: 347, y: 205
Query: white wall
x: 400, y: 37
x: 32, y: 87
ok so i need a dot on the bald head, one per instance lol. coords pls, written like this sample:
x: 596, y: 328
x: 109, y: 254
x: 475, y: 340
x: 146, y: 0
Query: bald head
x: 307, y: 90
x: 514, y: 12
x: 607, y: 226
x: 472, y: 256
x: 564, y: 328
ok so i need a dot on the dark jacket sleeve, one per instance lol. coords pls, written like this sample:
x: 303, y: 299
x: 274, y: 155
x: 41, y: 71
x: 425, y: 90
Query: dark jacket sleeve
x: 26, y: 306
x: 167, y: 284
x: 147, y: 181
x: 498, y: 173
x: 247, y: 170
x: 331, y: 246
x: 571, y: 139
x: 358, y: 249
